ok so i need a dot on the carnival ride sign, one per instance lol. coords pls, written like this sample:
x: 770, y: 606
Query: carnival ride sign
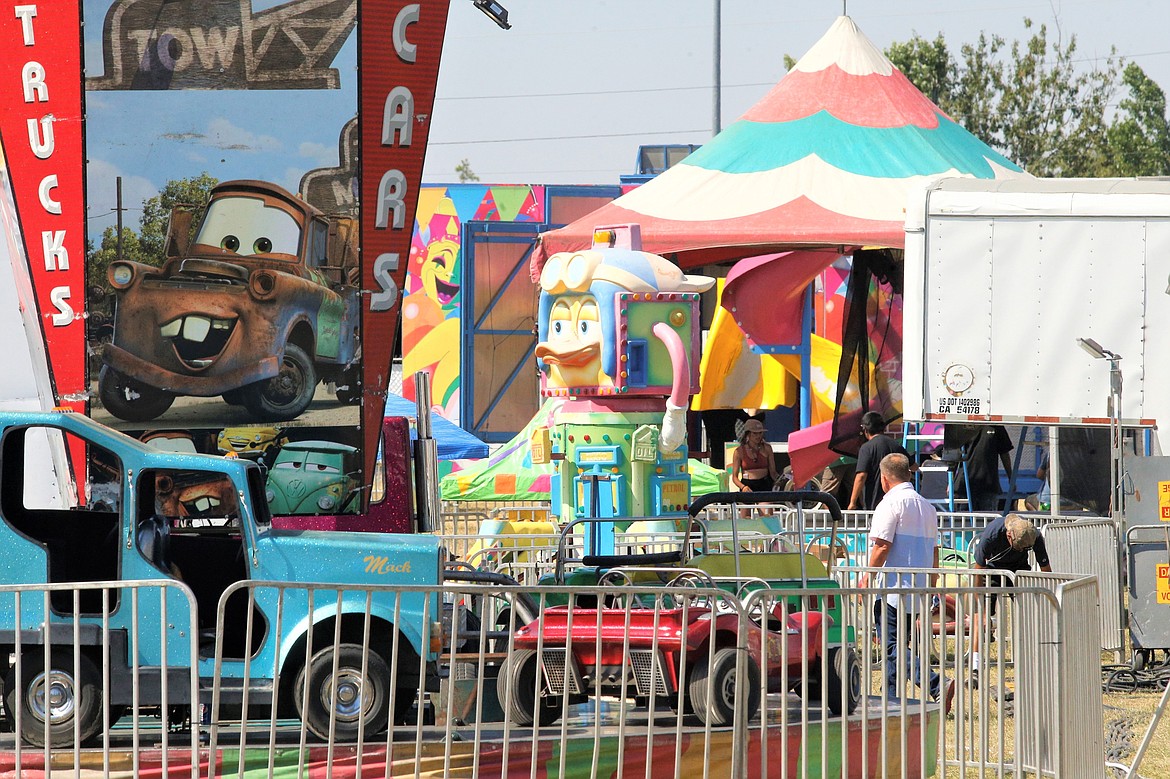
x: 340, y: 228
x: 223, y: 44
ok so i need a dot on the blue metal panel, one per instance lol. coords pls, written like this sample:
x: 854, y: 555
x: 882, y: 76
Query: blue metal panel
x: 478, y: 234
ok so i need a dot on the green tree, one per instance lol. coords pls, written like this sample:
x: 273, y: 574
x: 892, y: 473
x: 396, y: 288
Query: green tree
x: 1031, y: 99
x: 190, y: 192
x: 928, y: 64
x: 1139, y: 139
x: 466, y: 174
x: 147, y: 246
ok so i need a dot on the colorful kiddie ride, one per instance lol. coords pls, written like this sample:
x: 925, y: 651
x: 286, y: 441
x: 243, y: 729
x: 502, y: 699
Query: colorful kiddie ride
x: 618, y: 337
x: 681, y: 645
x: 141, y: 530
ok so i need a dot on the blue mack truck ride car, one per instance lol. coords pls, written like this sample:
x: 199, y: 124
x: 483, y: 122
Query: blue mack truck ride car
x: 118, y: 530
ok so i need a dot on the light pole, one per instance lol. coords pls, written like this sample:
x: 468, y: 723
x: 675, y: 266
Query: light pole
x: 717, y: 109
x: 1116, y: 445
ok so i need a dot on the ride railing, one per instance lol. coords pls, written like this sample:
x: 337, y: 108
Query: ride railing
x: 525, y: 558
x: 654, y: 671
x: 461, y: 523
x: 98, y: 664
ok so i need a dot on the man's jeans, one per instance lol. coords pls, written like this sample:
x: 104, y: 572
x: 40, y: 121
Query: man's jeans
x: 903, y: 648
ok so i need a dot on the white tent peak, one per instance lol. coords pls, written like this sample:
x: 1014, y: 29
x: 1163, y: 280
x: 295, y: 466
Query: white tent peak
x: 847, y: 47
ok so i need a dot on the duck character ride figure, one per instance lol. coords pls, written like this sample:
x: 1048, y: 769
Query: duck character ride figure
x: 618, y: 336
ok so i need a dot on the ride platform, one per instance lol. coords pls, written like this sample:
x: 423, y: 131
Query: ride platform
x: 600, y: 739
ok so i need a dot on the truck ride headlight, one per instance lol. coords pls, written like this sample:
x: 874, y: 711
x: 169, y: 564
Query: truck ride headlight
x: 121, y: 274
x: 262, y: 284
x: 326, y: 502
x: 269, y: 495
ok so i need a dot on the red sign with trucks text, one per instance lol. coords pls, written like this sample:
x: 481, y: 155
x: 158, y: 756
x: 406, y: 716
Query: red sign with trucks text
x: 41, y: 129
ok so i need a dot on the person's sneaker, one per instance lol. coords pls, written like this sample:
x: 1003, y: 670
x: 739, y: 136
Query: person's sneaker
x: 974, y: 678
x: 948, y: 696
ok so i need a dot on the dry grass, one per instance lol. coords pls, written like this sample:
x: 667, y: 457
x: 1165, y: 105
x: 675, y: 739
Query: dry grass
x: 988, y: 731
x: 1127, y: 717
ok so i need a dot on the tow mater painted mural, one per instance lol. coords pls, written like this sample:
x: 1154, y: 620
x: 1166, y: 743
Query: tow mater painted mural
x: 618, y: 334
x: 262, y: 306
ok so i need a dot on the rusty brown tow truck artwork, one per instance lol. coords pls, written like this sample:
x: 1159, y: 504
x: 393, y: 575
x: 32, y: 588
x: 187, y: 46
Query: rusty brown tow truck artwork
x: 259, y: 309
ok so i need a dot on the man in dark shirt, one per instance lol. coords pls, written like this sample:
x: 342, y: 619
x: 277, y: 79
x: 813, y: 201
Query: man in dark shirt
x: 983, y: 455
x: 867, y: 483
x: 1004, y: 545
x: 1005, y: 542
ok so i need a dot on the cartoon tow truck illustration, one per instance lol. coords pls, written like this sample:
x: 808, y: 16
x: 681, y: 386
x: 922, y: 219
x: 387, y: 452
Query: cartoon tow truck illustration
x: 251, y: 442
x: 260, y: 308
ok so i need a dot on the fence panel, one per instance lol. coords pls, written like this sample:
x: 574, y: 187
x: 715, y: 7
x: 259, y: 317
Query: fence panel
x: 1090, y: 548
x: 99, y: 663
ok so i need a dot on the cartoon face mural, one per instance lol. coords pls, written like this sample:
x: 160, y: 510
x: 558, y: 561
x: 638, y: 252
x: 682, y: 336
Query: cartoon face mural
x: 430, y: 306
x: 314, y: 477
x: 578, y: 337
x: 248, y: 226
x: 440, y: 282
x: 250, y: 311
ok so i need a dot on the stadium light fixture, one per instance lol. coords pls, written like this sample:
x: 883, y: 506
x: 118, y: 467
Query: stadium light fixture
x: 494, y: 11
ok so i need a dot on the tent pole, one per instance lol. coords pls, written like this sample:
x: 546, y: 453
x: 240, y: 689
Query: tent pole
x: 806, y: 359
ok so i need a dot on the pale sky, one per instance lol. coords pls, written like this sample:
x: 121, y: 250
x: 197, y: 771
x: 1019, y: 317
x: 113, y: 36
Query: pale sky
x: 568, y: 94
x: 564, y: 97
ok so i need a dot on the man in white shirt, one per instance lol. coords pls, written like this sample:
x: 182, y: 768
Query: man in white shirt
x: 904, y: 534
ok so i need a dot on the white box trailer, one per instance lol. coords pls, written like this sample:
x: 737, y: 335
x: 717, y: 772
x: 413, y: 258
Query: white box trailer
x: 1003, y: 277
x: 1001, y: 280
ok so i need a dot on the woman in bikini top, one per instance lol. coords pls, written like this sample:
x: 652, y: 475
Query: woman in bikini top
x: 753, y: 468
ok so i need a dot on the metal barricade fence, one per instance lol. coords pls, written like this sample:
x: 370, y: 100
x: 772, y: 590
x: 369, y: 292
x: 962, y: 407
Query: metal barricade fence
x: 461, y: 524
x: 957, y: 529
x: 522, y: 513
x: 525, y: 558
x: 1063, y: 733
x: 1090, y: 548
x: 653, y: 672
x: 99, y: 663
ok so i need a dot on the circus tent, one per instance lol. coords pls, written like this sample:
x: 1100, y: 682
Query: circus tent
x: 826, y: 159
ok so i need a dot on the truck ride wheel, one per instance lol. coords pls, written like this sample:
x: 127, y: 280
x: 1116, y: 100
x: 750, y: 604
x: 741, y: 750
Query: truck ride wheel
x: 287, y: 394
x: 718, y: 702
x: 844, y: 671
x: 55, y: 695
x: 517, y: 686
x: 358, y: 699
x: 131, y: 400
